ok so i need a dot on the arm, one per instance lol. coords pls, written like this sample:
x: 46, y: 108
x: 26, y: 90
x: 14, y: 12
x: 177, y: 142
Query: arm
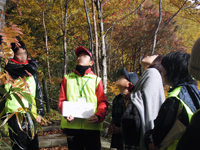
x: 39, y: 97
x: 62, y: 96
x: 102, y: 102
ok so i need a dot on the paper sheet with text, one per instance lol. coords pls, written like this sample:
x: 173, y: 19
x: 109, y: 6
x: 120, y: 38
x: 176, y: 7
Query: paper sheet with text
x: 77, y: 109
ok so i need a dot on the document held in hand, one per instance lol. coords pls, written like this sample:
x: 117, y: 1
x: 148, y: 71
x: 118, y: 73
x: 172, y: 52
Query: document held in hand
x: 77, y: 109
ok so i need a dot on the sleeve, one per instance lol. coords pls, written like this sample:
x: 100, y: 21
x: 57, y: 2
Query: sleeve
x: 102, y: 102
x: 39, y: 97
x: 62, y: 96
x: 165, y: 119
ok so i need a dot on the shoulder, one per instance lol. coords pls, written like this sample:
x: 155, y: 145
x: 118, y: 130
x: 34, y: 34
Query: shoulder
x: 117, y: 97
x: 151, y: 76
x: 152, y: 72
x: 170, y: 104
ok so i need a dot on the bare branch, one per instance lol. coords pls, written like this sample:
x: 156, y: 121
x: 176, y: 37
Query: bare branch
x: 173, y: 16
x: 156, y: 32
x: 116, y: 21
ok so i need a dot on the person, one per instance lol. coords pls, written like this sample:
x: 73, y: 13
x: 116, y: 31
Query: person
x: 118, y: 107
x: 175, y: 113
x: 190, y: 139
x: 83, y: 133
x: 147, y: 97
x: 21, y: 68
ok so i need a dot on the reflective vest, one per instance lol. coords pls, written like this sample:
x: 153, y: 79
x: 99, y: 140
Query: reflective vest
x: 13, y: 104
x: 171, y: 140
x: 89, y: 92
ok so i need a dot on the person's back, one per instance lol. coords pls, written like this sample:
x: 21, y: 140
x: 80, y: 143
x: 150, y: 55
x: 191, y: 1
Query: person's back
x: 175, y: 113
x: 147, y: 97
x: 190, y: 139
x: 83, y: 86
x: 124, y: 82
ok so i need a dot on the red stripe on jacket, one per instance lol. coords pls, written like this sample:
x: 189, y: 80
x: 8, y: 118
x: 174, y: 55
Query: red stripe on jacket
x: 102, y: 102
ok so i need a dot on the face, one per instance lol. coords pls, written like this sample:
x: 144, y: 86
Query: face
x: 166, y: 80
x: 122, y: 83
x: 21, y: 55
x: 148, y: 60
x: 83, y: 59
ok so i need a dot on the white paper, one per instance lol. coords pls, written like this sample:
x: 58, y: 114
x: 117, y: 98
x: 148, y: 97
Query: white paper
x: 77, y: 109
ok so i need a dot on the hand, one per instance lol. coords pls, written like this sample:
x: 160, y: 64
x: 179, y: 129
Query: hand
x: 153, y: 147
x: 93, y: 119
x: 70, y: 118
x: 110, y: 129
x: 116, y: 130
x: 38, y: 119
x: 28, y: 73
x: 126, y: 94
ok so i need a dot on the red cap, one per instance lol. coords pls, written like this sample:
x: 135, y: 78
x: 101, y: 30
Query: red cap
x: 80, y: 49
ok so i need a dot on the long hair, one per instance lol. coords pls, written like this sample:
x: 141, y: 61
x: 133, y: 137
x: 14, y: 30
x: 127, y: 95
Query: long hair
x: 176, y: 65
x: 157, y: 63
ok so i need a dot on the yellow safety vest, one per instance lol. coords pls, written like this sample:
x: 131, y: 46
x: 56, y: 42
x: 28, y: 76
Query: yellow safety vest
x: 171, y: 140
x: 74, y: 82
x: 13, y: 104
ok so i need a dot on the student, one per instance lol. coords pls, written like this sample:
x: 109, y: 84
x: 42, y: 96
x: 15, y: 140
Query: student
x: 148, y: 95
x: 175, y: 113
x: 190, y: 139
x: 83, y: 133
x: 18, y: 67
x: 118, y: 107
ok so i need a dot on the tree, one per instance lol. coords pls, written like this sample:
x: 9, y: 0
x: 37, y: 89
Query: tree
x: 46, y: 40
x: 96, y: 39
x: 65, y: 36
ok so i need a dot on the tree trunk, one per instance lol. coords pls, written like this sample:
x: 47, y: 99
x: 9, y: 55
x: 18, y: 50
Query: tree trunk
x: 96, y: 40
x: 65, y: 38
x: 46, y: 44
x: 103, y: 47
x: 90, y: 27
x: 156, y: 32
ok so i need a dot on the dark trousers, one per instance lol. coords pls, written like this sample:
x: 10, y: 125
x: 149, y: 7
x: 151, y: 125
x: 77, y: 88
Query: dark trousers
x: 117, y: 141
x: 22, y: 140
x: 83, y: 139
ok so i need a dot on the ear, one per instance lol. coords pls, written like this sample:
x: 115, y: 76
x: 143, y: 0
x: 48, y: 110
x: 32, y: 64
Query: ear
x: 91, y: 63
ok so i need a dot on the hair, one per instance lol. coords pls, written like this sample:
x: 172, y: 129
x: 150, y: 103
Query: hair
x: 16, y: 48
x: 176, y: 65
x: 157, y: 63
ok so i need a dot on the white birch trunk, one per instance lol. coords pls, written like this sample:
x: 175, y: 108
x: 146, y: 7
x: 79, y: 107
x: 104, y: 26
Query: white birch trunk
x: 65, y: 39
x: 156, y: 32
x: 96, y: 40
x: 46, y: 44
x: 103, y: 47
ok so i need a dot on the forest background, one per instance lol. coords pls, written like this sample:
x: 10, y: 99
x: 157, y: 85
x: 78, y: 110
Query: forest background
x: 118, y: 32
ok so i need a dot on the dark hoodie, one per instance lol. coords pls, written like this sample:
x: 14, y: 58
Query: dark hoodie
x: 17, y: 70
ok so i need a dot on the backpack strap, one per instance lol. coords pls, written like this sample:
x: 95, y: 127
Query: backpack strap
x: 194, y: 95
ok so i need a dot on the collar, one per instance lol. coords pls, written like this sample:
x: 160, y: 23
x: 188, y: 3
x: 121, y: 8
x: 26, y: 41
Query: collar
x: 18, y: 62
x: 89, y: 70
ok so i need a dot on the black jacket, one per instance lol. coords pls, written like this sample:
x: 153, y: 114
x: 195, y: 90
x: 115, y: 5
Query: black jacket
x: 190, y: 139
x: 18, y: 70
x: 167, y: 114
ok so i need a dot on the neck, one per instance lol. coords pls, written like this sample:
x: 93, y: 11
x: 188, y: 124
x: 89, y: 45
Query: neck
x: 81, y: 69
x: 145, y: 66
x: 17, y: 62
